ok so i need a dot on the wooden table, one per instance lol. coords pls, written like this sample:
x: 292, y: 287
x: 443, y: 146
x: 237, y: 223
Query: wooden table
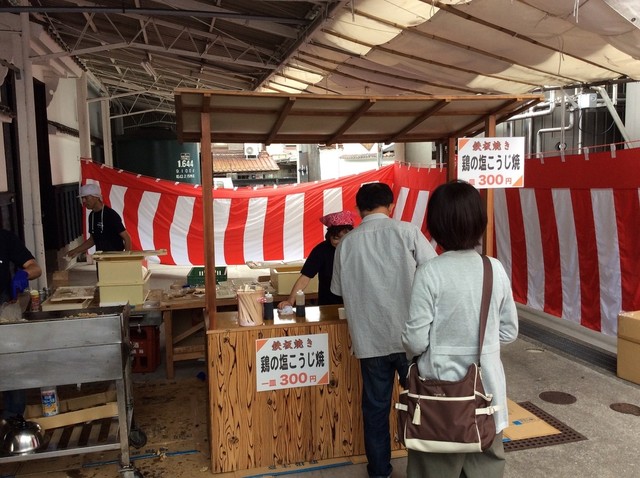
x: 184, y: 325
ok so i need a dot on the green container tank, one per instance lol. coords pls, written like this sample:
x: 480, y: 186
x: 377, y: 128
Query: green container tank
x: 158, y: 154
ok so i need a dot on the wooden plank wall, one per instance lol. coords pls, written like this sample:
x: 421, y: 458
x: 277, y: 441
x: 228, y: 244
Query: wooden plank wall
x: 251, y: 430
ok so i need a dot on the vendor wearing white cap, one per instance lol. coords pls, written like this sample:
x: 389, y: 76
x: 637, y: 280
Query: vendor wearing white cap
x: 106, y: 230
x: 320, y: 260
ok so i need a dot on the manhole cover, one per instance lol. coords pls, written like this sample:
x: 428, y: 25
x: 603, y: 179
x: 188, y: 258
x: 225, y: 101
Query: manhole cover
x: 627, y: 408
x: 559, y: 398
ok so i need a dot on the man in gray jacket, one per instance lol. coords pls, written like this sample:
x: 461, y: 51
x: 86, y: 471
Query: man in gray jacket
x: 373, y: 271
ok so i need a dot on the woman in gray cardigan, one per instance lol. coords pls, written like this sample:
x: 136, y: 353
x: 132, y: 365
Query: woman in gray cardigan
x: 442, y: 330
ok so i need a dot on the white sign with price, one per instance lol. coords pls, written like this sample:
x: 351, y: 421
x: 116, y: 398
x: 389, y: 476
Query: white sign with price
x: 295, y: 361
x: 491, y: 162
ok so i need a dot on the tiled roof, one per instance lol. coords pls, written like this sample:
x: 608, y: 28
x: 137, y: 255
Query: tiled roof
x: 238, y: 163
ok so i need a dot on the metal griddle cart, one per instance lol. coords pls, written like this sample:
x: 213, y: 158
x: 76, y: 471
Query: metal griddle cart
x: 74, y: 347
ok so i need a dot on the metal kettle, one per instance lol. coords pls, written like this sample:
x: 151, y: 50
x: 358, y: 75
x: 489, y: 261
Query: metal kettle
x: 20, y: 437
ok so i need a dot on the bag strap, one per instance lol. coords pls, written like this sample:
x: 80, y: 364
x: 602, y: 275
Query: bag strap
x: 487, y: 289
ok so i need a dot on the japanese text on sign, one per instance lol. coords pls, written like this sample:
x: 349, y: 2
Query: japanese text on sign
x: 491, y: 162
x: 296, y: 361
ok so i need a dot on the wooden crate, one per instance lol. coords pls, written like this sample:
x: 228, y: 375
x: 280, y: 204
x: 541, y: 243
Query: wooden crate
x: 118, y: 294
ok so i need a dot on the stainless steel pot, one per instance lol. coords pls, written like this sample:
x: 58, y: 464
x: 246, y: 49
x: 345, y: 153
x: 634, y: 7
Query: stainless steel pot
x: 21, y: 437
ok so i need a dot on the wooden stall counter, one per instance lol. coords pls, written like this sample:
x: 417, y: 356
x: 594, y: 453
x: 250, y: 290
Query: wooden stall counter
x: 283, y: 393
x: 183, y: 320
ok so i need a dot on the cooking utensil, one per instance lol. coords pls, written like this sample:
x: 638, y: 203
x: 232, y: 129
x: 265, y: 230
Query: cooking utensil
x: 21, y: 437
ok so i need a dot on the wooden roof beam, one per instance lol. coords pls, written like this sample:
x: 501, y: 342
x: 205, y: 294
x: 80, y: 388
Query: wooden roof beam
x: 427, y: 114
x: 355, y: 116
x: 284, y: 112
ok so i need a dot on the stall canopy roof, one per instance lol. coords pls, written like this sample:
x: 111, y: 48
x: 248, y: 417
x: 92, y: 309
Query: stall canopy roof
x: 237, y: 117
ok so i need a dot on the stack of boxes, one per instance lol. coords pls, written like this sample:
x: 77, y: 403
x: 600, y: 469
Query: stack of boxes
x: 123, y: 277
x: 629, y: 346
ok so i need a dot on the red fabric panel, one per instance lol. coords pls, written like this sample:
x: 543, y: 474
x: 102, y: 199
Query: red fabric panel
x: 550, y: 252
x: 587, y: 259
x: 132, y: 199
x: 161, y: 226
x: 599, y: 171
x: 234, y: 235
x: 195, y: 236
x: 274, y: 227
x: 627, y: 214
x: 519, y: 276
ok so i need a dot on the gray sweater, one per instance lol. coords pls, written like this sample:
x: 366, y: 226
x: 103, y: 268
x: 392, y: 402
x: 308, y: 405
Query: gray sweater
x: 443, y: 324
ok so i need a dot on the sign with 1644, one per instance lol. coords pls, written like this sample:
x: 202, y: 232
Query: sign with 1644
x: 491, y: 162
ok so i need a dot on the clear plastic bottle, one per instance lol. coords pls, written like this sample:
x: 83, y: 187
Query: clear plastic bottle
x: 300, y: 304
x: 268, y: 306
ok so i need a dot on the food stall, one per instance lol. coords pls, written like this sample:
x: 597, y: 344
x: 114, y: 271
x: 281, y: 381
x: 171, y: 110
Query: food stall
x: 259, y: 421
x: 37, y: 350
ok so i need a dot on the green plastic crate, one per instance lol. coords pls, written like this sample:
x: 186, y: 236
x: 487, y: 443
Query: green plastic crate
x: 195, y: 277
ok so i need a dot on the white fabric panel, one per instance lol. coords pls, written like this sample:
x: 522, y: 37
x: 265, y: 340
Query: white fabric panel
x: 255, y: 229
x: 116, y: 198
x: 401, y: 202
x: 180, y: 227
x: 146, y: 212
x: 568, y: 251
x: 221, y: 208
x: 332, y: 201
x: 604, y: 216
x: 535, y: 259
x: 502, y: 230
x: 420, y: 209
x: 293, y: 227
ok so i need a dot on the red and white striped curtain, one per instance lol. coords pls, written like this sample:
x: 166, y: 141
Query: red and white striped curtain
x: 250, y: 224
x: 570, y: 238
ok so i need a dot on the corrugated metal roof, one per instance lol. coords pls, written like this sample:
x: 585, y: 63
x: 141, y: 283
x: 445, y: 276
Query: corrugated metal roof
x: 239, y: 163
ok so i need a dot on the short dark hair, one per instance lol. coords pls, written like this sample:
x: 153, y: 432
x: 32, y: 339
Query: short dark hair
x: 334, y: 231
x: 456, y: 216
x: 373, y: 195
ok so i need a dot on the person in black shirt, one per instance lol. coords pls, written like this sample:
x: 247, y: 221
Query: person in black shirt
x: 106, y: 230
x: 320, y: 260
x: 13, y: 251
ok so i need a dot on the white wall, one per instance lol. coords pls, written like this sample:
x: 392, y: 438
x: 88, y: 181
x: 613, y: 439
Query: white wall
x: 332, y: 166
x: 62, y: 107
x: 64, y: 149
x: 632, y: 116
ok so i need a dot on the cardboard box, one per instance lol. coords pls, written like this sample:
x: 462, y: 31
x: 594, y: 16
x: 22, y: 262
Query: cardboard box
x: 629, y: 346
x: 118, y: 294
x: 119, y: 271
x: 523, y: 424
x: 283, y: 278
x: 123, y: 267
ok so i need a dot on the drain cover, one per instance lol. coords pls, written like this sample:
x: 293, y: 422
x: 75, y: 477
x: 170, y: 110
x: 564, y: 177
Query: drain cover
x: 559, y: 398
x: 627, y: 408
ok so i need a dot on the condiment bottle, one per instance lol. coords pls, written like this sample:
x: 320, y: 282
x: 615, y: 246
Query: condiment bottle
x: 268, y: 306
x: 35, y: 300
x: 300, y: 304
x: 49, y: 397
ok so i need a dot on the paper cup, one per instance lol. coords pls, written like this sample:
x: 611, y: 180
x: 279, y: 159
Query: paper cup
x: 341, y: 313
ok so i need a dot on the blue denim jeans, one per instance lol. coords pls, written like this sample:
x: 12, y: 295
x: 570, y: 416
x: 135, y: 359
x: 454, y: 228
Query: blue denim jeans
x: 378, y: 377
